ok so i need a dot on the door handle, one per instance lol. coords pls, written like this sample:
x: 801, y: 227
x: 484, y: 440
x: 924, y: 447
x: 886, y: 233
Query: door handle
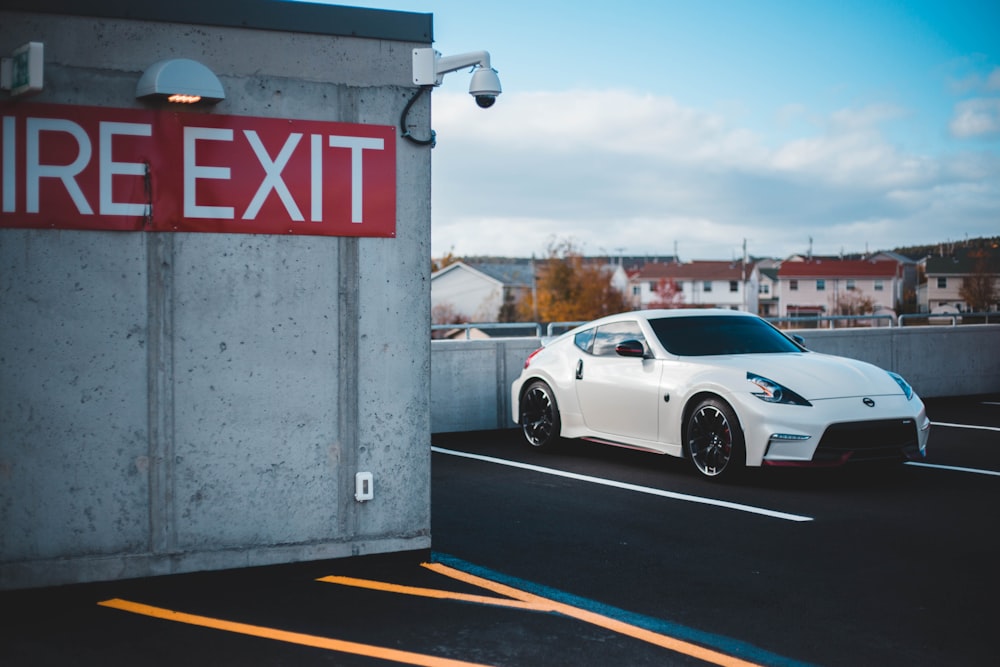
x: 579, y: 369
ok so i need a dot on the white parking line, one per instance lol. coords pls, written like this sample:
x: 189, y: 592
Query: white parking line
x: 970, y: 426
x: 628, y: 487
x: 978, y: 471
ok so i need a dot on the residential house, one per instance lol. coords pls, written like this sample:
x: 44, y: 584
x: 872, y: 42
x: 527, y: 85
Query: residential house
x: 767, y: 288
x: 947, y: 272
x: 488, y: 291
x: 477, y: 292
x: 634, y: 262
x: 718, y: 284
x: 906, y: 300
x: 831, y: 286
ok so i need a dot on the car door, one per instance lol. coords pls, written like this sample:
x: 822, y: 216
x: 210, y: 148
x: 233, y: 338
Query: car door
x: 617, y: 394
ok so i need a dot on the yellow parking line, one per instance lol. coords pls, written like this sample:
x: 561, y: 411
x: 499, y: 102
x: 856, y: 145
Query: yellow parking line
x: 517, y: 598
x: 512, y: 597
x: 425, y: 592
x: 541, y: 603
x: 290, y: 637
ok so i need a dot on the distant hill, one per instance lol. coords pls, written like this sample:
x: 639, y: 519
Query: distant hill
x: 921, y: 251
x: 916, y: 252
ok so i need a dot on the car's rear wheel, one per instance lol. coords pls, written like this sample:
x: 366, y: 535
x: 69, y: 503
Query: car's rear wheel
x: 540, y: 415
x: 715, y: 443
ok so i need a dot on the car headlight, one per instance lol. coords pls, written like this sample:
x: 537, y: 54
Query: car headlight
x: 903, y: 384
x: 772, y: 392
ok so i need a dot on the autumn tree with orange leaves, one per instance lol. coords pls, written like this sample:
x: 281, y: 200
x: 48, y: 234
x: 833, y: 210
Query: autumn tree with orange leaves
x: 569, y: 288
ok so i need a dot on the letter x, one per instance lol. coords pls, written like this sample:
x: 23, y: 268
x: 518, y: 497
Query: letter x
x: 272, y: 179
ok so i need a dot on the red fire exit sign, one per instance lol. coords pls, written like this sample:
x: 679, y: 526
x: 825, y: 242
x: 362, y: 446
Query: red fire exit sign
x: 98, y: 168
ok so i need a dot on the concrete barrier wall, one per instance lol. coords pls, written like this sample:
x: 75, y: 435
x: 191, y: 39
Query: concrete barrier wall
x: 173, y: 402
x: 470, y: 380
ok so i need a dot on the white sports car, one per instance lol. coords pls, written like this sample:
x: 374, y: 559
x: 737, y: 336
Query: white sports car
x: 724, y: 389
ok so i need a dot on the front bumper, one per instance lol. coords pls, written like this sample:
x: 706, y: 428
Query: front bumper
x: 841, y: 431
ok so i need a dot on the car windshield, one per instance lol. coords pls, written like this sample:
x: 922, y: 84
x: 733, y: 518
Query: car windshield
x: 719, y: 334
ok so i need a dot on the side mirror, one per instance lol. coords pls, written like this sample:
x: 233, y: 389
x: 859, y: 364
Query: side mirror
x: 630, y: 348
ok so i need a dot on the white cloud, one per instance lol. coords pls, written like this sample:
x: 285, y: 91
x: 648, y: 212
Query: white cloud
x: 976, y: 118
x: 619, y: 170
x: 993, y: 80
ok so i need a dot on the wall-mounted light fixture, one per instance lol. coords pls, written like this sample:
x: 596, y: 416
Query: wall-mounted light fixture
x: 23, y: 72
x: 180, y: 80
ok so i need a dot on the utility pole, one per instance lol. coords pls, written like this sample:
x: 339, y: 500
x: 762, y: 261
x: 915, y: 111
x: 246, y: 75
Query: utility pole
x: 534, y: 287
x: 746, y: 293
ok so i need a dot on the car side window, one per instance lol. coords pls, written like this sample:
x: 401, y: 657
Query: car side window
x: 584, y: 339
x: 608, y: 336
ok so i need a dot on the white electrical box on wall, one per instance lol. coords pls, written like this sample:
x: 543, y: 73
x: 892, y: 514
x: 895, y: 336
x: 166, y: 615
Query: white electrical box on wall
x: 364, y: 486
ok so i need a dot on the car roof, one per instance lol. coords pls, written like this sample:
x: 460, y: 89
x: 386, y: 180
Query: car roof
x: 667, y: 312
x: 653, y: 314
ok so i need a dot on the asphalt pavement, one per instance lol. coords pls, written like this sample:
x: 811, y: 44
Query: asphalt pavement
x: 413, y: 608
x: 656, y: 567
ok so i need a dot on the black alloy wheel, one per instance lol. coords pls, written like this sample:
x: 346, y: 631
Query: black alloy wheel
x: 715, y: 442
x: 539, y: 415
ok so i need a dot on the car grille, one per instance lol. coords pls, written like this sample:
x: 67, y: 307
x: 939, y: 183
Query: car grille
x: 885, y: 440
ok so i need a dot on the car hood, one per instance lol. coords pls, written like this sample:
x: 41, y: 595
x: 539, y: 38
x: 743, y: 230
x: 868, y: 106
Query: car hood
x: 816, y: 376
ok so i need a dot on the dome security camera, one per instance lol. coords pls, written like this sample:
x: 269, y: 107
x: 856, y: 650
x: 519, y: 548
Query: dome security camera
x: 429, y: 68
x: 485, y: 86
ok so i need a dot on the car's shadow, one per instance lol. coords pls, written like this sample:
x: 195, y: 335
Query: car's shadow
x: 503, y: 443
x: 850, y: 477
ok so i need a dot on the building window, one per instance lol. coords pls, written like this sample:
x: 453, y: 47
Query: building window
x: 764, y: 289
x: 793, y: 285
x: 820, y: 285
x: 879, y: 285
x: 636, y: 290
x: 734, y: 286
x: 652, y: 286
x: 942, y: 283
x: 707, y: 286
x: 850, y: 285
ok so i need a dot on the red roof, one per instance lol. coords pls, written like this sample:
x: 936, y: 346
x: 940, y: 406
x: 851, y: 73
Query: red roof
x: 839, y: 268
x: 697, y: 270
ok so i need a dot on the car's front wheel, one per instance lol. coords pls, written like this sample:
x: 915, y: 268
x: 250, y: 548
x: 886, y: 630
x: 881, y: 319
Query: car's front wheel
x: 715, y: 443
x: 539, y: 415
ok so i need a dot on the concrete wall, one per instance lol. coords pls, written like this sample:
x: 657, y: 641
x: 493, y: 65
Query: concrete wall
x: 470, y: 380
x: 178, y: 402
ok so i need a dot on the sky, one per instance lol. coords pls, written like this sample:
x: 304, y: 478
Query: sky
x: 695, y: 127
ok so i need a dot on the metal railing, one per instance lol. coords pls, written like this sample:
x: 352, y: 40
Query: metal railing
x: 954, y: 318
x: 831, y: 320
x: 811, y: 322
x: 525, y: 327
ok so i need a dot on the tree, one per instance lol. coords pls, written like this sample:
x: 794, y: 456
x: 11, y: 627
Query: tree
x: 445, y: 313
x: 979, y: 289
x: 568, y: 288
x: 668, y: 295
x: 508, y: 310
x: 447, y: 260
x: 853, y: 302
